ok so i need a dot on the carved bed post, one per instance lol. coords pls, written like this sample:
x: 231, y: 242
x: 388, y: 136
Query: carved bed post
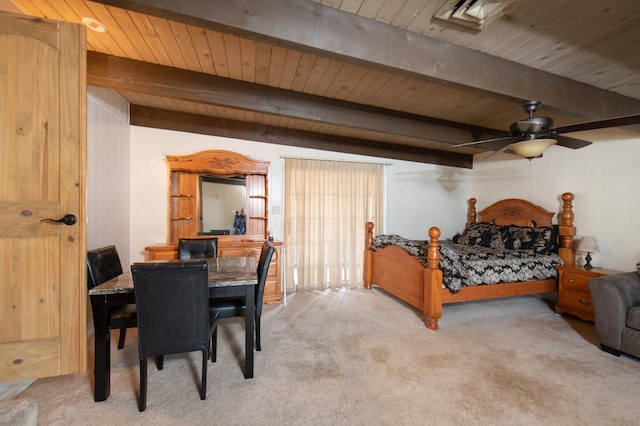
x: 432, y: 306
x: 471, y: 212
x: 567, y: 231
x: 367, y: 255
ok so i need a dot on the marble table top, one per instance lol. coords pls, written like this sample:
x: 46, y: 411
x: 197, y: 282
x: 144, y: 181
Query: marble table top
x: 223, y: 272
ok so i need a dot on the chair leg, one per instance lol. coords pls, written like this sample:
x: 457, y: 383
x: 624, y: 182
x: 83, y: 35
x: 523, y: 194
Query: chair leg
x: 214, y: 345
x: 142, y: 404
x: 203, y: 388
x: 123, y: 333
x: 160, y: 362
x: 258, y: 347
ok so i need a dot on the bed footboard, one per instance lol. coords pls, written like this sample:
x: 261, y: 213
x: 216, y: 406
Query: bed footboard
x: 402, y: 275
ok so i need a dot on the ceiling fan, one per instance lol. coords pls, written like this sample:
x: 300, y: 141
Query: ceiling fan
x: 530, y: 137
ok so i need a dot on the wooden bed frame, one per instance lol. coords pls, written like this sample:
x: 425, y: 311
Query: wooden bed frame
x: 402, y: 275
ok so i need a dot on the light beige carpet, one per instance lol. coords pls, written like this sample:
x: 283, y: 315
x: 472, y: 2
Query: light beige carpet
x: 362, y: 357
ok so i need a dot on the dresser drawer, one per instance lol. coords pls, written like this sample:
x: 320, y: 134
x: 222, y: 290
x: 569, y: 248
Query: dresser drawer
x: 163, y: 255
x: 271, y: 288
x: 239, y: 252
x: 576, y: 300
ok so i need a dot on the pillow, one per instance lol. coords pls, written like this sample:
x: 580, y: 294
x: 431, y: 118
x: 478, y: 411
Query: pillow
x: 501, y: 221
x: 541, y: 239
x: 519, y: 237
x: 477, y: 234
x: 547, y: 240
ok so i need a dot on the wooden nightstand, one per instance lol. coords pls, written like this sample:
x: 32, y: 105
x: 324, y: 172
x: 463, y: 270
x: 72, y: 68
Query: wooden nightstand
x: 573, y: 292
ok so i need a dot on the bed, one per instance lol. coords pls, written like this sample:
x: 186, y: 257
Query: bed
x: 422, y: 281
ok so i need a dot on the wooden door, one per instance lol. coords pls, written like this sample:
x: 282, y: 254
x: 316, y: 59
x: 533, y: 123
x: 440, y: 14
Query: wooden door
x: 43, y: 294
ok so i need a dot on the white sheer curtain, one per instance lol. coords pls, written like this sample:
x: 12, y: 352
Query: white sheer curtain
x: 327, y: 204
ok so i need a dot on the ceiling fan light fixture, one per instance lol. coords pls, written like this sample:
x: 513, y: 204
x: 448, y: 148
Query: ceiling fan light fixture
x: 531, y: 148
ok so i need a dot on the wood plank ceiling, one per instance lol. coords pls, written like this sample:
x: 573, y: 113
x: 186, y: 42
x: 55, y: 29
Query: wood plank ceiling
x: 376, y: 77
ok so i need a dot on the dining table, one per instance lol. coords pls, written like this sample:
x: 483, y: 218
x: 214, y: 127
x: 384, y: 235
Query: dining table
x: 228, y: 277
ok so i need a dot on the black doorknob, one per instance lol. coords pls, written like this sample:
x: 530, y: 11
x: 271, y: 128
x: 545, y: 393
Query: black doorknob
x: 67, y: 219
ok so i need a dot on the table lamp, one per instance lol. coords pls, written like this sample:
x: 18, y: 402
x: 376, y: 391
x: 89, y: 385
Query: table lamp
x: 588, y: 245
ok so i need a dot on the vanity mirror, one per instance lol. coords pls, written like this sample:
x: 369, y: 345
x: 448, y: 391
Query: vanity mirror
x: 222, y: 200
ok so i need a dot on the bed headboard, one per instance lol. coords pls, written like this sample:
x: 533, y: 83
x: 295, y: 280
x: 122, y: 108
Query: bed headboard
x: 512, y: 211
x: 518, y: 212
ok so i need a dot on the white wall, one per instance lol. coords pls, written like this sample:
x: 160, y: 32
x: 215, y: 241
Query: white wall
x: 604, y: 177
x: 108, y: 171
x: 415, y: 200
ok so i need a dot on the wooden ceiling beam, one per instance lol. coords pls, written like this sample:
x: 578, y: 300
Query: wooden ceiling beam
x: 311, y: 27
x: 206, y: 125
x: 158, y: 80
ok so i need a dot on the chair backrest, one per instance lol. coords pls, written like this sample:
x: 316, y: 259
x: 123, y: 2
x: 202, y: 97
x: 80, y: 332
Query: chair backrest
x: 266, y: 253
x: 102, y: 265
x: 172, y: 300
x: 197, y: 248
x: 215, y: 232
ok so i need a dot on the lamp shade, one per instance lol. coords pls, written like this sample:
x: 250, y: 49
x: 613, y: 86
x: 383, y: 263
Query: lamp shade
x: 588, y: 244
x: 531, y: 148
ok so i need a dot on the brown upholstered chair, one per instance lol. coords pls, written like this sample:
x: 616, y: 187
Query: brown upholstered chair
x: 102, y: 265
x: 173, y: 315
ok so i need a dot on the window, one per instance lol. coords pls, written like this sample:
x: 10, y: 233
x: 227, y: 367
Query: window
x: 327, y: 204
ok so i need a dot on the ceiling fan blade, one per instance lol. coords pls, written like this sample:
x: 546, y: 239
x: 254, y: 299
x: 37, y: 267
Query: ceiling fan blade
x: 628, y: 120
x: 488, y: 142
x: 503, y: 149
x: 498, y: 144
x: 573, y: 143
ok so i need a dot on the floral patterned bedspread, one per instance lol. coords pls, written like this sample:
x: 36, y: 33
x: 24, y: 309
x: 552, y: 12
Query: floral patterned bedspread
x: 465, y: 265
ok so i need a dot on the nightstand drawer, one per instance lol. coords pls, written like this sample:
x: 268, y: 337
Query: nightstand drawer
x: 573, y: 281
x: 576, y: 301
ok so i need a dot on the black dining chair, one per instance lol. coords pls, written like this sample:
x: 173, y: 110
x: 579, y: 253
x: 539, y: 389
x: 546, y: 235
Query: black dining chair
x: 173, y: 315
x: 236, y: 307
x: 197, y: 248
x: 102, y: 265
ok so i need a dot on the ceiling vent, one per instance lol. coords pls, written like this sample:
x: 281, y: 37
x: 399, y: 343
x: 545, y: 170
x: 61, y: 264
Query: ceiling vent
x: 476, y: 14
